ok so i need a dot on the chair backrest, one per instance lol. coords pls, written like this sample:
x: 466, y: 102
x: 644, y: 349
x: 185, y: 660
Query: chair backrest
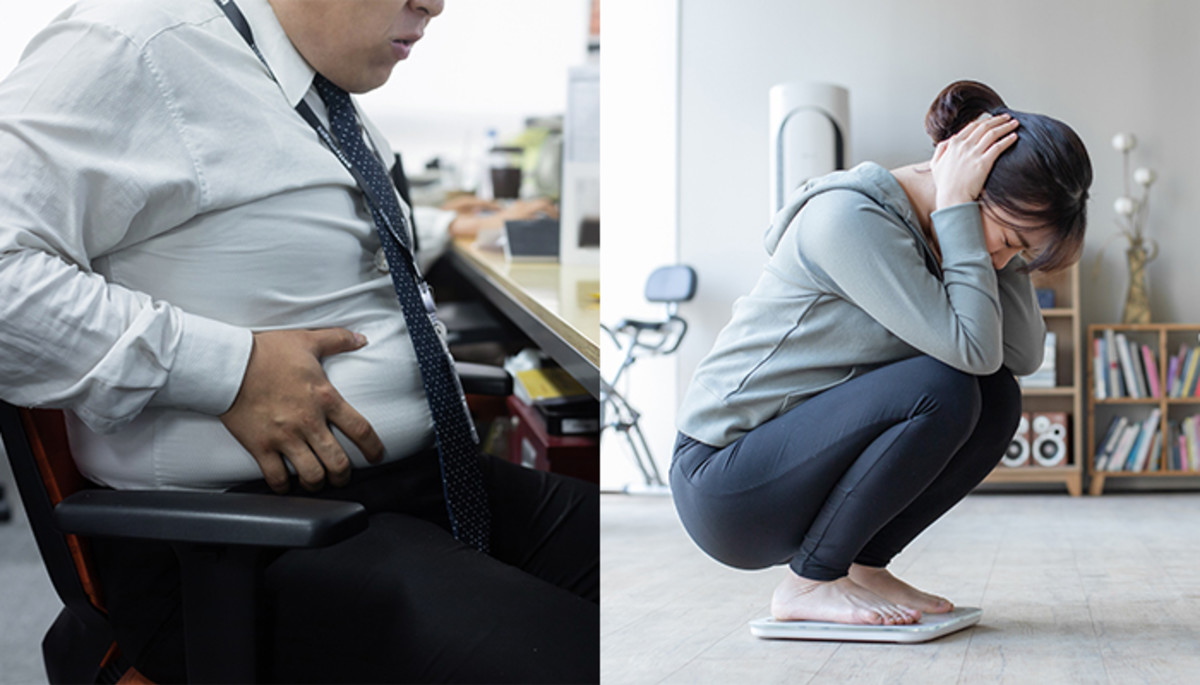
x: 36, y: 443
x: 671, y: 284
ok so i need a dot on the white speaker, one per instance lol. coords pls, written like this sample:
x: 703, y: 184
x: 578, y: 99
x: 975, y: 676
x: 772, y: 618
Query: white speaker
x: 1019, y: 449
x: 1049, y: 438
x: 810, y: 127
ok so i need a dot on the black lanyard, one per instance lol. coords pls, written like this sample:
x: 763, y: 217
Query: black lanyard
x: 243, y: 27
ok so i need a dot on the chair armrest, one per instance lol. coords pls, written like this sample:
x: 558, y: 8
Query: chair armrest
x: 481, y: 379
x: 218, y: 518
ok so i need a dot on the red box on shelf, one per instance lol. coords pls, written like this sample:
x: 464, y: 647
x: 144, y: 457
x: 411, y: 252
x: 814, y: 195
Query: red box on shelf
x: 569, y: 455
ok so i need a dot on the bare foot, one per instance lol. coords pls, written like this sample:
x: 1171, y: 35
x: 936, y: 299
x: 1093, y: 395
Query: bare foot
x: 883, y: 583
x: 836, y: 601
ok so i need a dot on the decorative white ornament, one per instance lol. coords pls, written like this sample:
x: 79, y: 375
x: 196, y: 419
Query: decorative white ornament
x: 1125, y: 206
x: 1145, y: 177
x: 1124, y: 142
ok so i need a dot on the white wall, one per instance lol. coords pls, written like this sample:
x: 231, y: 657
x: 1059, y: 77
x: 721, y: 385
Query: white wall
x: 482, y: 64
x: 638, y: 130
x: 1101, y: 66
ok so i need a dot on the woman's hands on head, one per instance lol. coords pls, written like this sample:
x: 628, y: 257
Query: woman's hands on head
x: 962, y: 162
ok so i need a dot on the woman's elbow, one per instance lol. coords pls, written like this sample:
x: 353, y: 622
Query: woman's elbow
x: 1023, y: 364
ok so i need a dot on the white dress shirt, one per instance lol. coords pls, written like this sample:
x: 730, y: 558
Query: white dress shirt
x: 161, y: 199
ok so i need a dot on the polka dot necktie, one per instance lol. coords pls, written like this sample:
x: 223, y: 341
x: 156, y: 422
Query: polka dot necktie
x: 466, y: 500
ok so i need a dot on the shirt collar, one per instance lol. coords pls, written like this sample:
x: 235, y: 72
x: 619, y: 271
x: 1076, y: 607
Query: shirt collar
x: 295, y: 75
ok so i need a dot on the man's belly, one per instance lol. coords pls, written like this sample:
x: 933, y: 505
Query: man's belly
x: 173, y: 449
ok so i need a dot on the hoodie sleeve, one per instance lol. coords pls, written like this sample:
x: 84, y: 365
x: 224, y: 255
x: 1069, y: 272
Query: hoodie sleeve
x: 864, y: 254
x: 1024, y: 327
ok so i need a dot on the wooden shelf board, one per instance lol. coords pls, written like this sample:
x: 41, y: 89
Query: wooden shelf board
x: 1055, y: 312
x: 1058, y: 391
x: 1152, y: 474
x: 1032, y: 473
x: 1130, y: 400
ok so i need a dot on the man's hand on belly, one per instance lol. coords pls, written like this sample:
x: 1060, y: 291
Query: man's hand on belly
x: 286, y: 405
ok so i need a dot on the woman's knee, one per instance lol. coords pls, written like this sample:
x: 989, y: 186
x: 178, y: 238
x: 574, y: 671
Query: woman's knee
x: 1000, y: 396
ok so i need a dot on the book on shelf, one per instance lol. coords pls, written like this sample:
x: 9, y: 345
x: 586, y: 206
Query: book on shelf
x: 1111, y: 437
x: 549, y: 384
x: 1130, y: 445
x: 1150, y: 364
x: 1154, y: 459
x: 563, y: 404
x: 1135, y: 363
x: 1148, y: 437
x: 1172, y: 371
x: 1132, y: 368
x: 1131, y: 383
x: 1185, y: 444
x: 1099, y: 369
x: 1116, y: 460
x: 1187, y: 385
x: 1116, y: 385
x: 1116, y: 428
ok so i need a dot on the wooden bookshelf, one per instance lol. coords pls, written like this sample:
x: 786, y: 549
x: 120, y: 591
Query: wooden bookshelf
x: 1066, y: 396
x: 1165, y: 339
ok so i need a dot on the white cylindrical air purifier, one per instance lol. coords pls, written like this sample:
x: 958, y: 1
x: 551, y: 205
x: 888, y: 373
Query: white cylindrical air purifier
x: 810, y: 126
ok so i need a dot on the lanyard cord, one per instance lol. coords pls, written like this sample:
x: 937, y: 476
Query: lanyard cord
x: 243, y: 27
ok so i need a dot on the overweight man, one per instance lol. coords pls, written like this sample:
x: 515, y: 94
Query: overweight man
x: 201, y: 263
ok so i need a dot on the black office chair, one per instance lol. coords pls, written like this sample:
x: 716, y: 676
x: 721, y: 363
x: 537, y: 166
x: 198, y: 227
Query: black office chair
x: 217, y: 537
x: 5, y: 510
x: 637, y: 338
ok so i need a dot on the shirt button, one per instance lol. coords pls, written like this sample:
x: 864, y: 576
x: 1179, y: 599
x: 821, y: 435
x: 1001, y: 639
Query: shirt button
x: 381, y: 262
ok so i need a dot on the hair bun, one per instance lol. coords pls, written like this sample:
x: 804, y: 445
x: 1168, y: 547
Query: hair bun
x: 957, y: 105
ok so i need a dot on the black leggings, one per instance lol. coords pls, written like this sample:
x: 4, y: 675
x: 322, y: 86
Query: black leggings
x: 851, y: 475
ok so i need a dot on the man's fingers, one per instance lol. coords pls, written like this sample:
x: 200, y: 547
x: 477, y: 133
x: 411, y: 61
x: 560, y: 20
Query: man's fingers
x: 358, y: 429
x: 327, y: 341
x: 309, y: 470
x: 275, y: 473
x: 333, y: 459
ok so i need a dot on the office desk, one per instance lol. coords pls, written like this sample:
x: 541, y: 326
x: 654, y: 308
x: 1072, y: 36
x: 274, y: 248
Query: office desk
x: 558, y: 307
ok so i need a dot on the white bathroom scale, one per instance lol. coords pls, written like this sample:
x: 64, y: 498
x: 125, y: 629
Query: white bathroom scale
x: 931, y: 626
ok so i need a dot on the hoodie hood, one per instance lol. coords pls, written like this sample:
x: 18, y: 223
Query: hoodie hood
x: 867, y: 178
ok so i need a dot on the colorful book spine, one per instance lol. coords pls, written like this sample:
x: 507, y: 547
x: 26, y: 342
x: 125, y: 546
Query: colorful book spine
x: 1139, y: 374
x: 1180, y: 363
x: 1119, y: 456
x: 1151, y: 365
x: 1189, y: 434
x: 1149, y: 433
x: 1099, y: 377
x: 1172, y: 374
x: 1189, y: 379
x: 1116, y: 428
x: 1114, y: 365
x: 1127, y: 372
x: 1152, y: 464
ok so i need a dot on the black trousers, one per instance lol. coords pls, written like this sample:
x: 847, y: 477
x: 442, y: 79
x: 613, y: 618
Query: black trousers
x: 403, y: 601
x: 851, y: 475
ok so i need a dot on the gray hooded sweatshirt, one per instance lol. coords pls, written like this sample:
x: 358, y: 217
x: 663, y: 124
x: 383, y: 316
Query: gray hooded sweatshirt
x: 851, y: 285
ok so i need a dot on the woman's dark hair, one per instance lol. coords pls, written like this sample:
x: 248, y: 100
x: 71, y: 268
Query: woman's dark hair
x: 1042, y: 180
